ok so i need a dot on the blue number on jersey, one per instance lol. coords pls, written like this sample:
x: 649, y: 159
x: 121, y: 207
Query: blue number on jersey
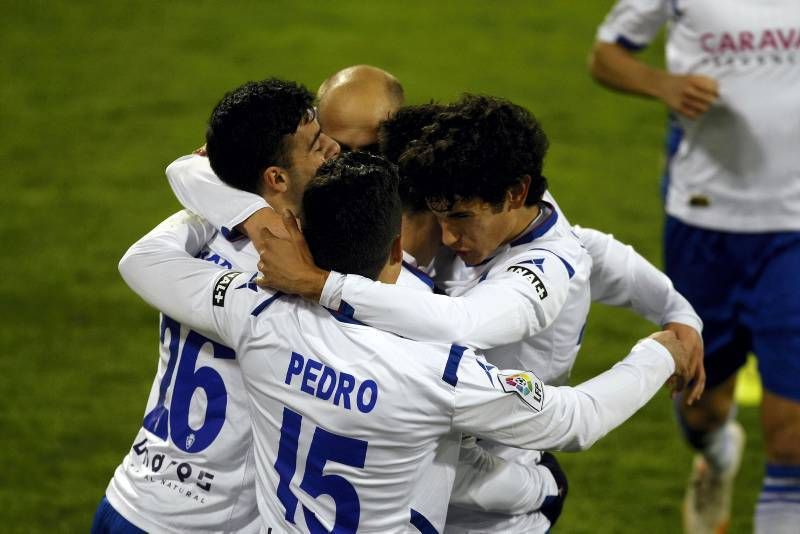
x: 324, y: 446
x: 188, y: 380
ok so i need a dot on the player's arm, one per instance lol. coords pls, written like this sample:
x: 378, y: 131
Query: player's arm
x: 622, y: 277
x: 198, y: 189
x: 489, y: 483
x: 160, y: 270
x: 628, y: 28
x: 512, y: 303
x: 515, y: 408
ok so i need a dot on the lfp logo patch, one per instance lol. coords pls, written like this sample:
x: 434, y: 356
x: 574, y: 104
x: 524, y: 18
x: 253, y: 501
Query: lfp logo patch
x: 525, y: 384
x: 521, y: 382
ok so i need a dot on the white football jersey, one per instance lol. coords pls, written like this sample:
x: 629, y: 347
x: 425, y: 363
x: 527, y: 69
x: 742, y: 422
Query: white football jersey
x: 735, y: 168
x: 191, y: 465
x: 153, y: 486
x: 526, y: 305
x: 345, y: 414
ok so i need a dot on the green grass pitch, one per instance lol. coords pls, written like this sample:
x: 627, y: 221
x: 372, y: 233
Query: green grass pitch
x: 98, y: 97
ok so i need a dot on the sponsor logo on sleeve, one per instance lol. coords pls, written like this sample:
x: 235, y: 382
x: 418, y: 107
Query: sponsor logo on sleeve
x: 525, y: 384
x: 531, y: 278
x: 221, y: 288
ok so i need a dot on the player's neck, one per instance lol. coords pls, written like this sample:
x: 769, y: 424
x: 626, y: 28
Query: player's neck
x: 524, y: 218
x: 279, y: 202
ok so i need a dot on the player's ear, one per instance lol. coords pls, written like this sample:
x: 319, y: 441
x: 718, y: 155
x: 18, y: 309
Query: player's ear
x: 275, y: 179
x: 518, y: 193
x: 396, y: 252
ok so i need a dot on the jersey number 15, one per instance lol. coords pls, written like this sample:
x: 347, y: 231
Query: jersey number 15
x: 325, y: 446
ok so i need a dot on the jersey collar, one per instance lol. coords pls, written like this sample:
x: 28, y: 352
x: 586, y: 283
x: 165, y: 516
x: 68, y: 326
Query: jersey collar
x: 538, y: 227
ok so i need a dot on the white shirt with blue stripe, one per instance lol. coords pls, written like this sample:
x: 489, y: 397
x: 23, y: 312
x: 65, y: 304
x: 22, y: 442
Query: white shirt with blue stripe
x: 343, y: 413
x: 735, y: 168
x: 191, y: 466
x: 507, y: 305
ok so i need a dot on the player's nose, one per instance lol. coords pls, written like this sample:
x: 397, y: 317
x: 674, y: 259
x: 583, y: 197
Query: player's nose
x: 449, y: 238
x: 332, y: 148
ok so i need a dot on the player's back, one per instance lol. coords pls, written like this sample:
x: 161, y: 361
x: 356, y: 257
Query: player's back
x: 190, y: 466
x: 343, y: 415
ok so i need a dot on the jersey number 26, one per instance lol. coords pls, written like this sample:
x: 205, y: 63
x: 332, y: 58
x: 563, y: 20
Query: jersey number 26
x: 174, y: 421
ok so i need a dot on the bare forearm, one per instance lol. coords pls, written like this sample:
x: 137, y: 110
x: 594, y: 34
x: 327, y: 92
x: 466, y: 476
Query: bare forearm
x: 615, y: 67
x: 691, y: 95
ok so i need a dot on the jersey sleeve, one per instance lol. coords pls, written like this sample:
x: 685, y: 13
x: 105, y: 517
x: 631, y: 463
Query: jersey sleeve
x: 515, y: 408
x: 515, y: 301
x: 198, y: 189
x: 622, y: 277
x: 161, y: 269
x: 633, y: 24
x: 489, y: 483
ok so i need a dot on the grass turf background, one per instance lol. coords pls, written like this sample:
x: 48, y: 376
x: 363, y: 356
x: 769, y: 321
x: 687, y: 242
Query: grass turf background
x: 97, y: 98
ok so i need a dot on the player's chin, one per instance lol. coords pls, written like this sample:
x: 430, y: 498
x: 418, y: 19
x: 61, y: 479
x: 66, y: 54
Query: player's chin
x: 470, y: 257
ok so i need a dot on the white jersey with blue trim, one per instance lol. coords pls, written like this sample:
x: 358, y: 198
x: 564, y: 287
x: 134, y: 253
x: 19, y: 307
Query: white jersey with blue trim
x: 172, y: 479
x: 463, y: 473
x: 735, y: 168
x: 344, y: 413
x: 551, y: 258
x: 191, y: 465
x: 526, y: 305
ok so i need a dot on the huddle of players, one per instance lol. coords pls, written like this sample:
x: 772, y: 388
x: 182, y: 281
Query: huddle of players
x: 264, y: 401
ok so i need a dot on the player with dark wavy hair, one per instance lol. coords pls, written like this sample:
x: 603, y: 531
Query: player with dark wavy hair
x: 357, y: 241
x: 246, y: 130
x: 455, y: 160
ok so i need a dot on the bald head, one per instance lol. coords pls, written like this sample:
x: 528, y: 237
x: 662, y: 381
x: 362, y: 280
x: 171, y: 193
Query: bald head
x: 354, y: 101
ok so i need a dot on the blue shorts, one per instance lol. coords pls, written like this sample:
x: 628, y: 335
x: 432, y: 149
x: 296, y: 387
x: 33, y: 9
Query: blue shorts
x: 746, y: 288
x: 108, y: 521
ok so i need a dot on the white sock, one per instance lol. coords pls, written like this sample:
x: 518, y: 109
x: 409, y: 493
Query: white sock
x: 778, y: 508
x: 720, y: 448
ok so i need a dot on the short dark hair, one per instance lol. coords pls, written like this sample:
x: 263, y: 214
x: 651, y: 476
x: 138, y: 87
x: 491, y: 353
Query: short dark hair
x: 248, y: 127
x: 477, y: 148
x: 395, y: 136
x: 351, y: 213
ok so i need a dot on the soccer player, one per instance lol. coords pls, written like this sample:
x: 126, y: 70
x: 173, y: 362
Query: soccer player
x: 521, y: 281
x: 346, y: 411
x: 732, y: 231
x: 190, y: 466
